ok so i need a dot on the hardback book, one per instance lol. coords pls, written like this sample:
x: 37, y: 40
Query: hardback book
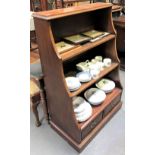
x: 93, y: 33
x: 77, y: 39
x: 63, y: 46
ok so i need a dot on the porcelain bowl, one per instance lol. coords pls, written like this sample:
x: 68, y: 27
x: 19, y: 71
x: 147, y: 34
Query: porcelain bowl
x: 106, y: 85
x: 95, y: 96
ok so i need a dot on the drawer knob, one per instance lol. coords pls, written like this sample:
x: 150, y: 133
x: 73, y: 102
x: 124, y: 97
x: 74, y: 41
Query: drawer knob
x: 93, y: 124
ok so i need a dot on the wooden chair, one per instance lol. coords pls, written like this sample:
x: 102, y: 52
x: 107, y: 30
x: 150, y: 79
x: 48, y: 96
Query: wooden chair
x: 66, y: 3
x: 38, y: 5
x: 37, y: 77
x: 33, y: 38
x: 35, y: 100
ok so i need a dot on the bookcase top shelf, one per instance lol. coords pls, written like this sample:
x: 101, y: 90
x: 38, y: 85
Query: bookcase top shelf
x: 58, y: 13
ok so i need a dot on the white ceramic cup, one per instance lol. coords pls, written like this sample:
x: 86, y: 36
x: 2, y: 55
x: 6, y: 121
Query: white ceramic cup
x: 107, y: 62
x: 99, y: 58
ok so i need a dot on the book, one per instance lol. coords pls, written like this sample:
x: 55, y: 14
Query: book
x: 93, y: 33
x: 77, y: 39
x: 63, y: 46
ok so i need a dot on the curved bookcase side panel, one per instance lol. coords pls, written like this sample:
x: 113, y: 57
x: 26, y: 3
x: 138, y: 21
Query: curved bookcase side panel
x: 58, y: 101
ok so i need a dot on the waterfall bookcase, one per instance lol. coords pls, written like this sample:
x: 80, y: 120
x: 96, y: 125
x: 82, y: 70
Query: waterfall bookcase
x: 51, y: 27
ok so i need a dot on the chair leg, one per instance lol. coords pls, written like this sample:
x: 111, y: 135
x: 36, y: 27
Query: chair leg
x: 35, y: 112
x: 44, y: 105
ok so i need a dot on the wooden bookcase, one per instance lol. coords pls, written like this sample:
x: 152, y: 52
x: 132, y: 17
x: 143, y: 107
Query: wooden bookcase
x: 53, y: 25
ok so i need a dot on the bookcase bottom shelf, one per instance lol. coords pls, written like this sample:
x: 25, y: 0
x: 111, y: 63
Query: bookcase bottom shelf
x: 91, y: 135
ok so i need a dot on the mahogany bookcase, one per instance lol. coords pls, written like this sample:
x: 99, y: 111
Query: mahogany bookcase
x: 51, y: 26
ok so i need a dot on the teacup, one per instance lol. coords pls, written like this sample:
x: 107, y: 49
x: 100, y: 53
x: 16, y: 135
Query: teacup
x: 99, y: 58
x: 107, y: 62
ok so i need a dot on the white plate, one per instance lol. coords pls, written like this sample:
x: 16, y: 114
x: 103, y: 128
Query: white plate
x: 84, y: 76
x: 75, y: 88
x: 78, y: 104
x: 73, y: 83
x: 87, y: 114
x: 85, y: 110
x: 106, y: 85
x: 95, y: 96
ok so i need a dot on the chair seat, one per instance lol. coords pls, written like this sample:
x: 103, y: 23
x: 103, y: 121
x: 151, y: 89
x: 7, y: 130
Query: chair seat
x: 32, y: 27
x: 34, y: 89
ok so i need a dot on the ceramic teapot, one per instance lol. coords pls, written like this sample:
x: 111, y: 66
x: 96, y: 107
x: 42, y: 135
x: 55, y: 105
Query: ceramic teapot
x: 83, y: 66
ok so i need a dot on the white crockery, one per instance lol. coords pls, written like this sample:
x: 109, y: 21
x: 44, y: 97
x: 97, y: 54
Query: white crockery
x: 95, y: 96
x: 99, y: 58
x: 86, y: 108
x: 93, y: 66
x: 86, y: 115
x: 100, y: 65
x: 106, y: 85
x: 84, y: 76
x: 94, y: 73
x: 107, y: 62
x: 78, y: 104
x: 82, y: 109
x: 75, y: 88
x: 73, y: 83
x: 83, y: 66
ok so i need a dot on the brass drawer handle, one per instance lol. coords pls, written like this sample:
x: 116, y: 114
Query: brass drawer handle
x: 93, y: 124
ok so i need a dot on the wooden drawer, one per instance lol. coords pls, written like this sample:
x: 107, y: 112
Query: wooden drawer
x: 91, y: 126
x: 111, y: 105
